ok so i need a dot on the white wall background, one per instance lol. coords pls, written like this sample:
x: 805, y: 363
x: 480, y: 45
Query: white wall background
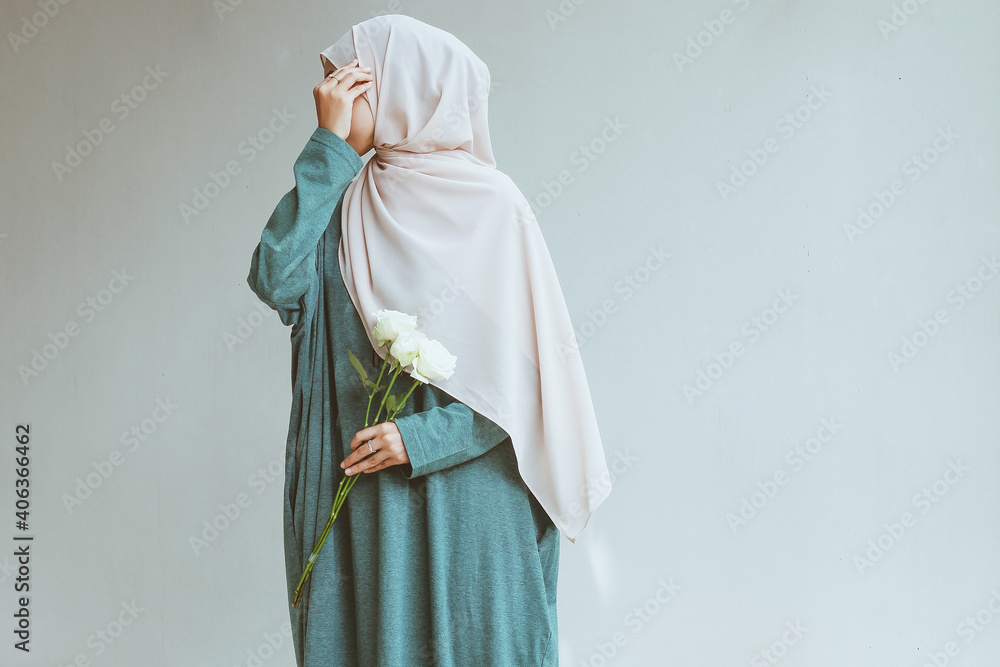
x: 887, y: 82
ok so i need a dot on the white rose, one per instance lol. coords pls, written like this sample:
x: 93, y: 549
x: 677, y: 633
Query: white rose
x: 433, y: 362
x: 390, y: 323
x: 406, y: 346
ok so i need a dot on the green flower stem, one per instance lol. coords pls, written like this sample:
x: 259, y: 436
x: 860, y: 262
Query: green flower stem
x: 414, y: 386
x: 347, y: 488
x: 346, y: 484
x: 387, y: 390
x: 319, y: 544
x: 377, y: 383
x: 402, y: 402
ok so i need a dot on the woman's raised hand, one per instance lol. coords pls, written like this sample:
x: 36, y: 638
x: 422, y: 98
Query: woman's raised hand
x: 335, y: 99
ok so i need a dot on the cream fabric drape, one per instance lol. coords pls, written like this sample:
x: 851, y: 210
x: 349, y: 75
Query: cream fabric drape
x: 432, y: 228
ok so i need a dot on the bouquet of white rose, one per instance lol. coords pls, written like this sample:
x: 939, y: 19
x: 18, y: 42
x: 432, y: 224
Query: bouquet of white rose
x: 427, y: 360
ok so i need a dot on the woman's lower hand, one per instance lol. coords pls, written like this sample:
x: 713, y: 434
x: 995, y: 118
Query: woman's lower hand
x: 389, y: 449
x: 335, y: 99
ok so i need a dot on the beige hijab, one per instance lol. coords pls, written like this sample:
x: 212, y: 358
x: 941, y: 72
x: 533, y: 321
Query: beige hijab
x: 432, y: 228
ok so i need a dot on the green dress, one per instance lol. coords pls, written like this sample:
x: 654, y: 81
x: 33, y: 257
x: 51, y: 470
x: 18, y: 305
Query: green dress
x: 447, y: 560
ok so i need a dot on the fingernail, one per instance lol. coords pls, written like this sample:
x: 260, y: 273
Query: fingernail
x: 348, y: 471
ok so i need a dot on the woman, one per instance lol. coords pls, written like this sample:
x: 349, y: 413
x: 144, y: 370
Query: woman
x: 447, y: 549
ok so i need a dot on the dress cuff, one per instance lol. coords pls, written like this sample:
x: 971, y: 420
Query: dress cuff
x: 435, y: 439
x: 333, y: 141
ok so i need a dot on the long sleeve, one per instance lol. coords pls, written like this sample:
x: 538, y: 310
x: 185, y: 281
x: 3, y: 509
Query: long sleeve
x: 284, y: 266
x: 444, y: 436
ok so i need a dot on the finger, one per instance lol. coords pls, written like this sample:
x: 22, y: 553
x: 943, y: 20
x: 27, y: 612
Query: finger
x: 372, y: 460
x: 364, y: 435
x: 356, y: 456
x: 348, y: 78
x: 361, y: 87
x: 357, y: 91
x: 393, y: 455
x: 377, y: 465
x: 348, y: 87
x: 353, y: 459
x: 381, y: 466
x: 359, y: 444
x: 340, y: 72
x: 336, y: 77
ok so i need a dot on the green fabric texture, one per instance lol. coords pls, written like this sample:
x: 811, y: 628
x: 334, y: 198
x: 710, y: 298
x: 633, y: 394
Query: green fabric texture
x: 448, y: 560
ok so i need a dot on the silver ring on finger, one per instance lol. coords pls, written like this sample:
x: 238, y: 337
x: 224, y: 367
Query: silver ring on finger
x: 370, y: 447
x: 333, y: 77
